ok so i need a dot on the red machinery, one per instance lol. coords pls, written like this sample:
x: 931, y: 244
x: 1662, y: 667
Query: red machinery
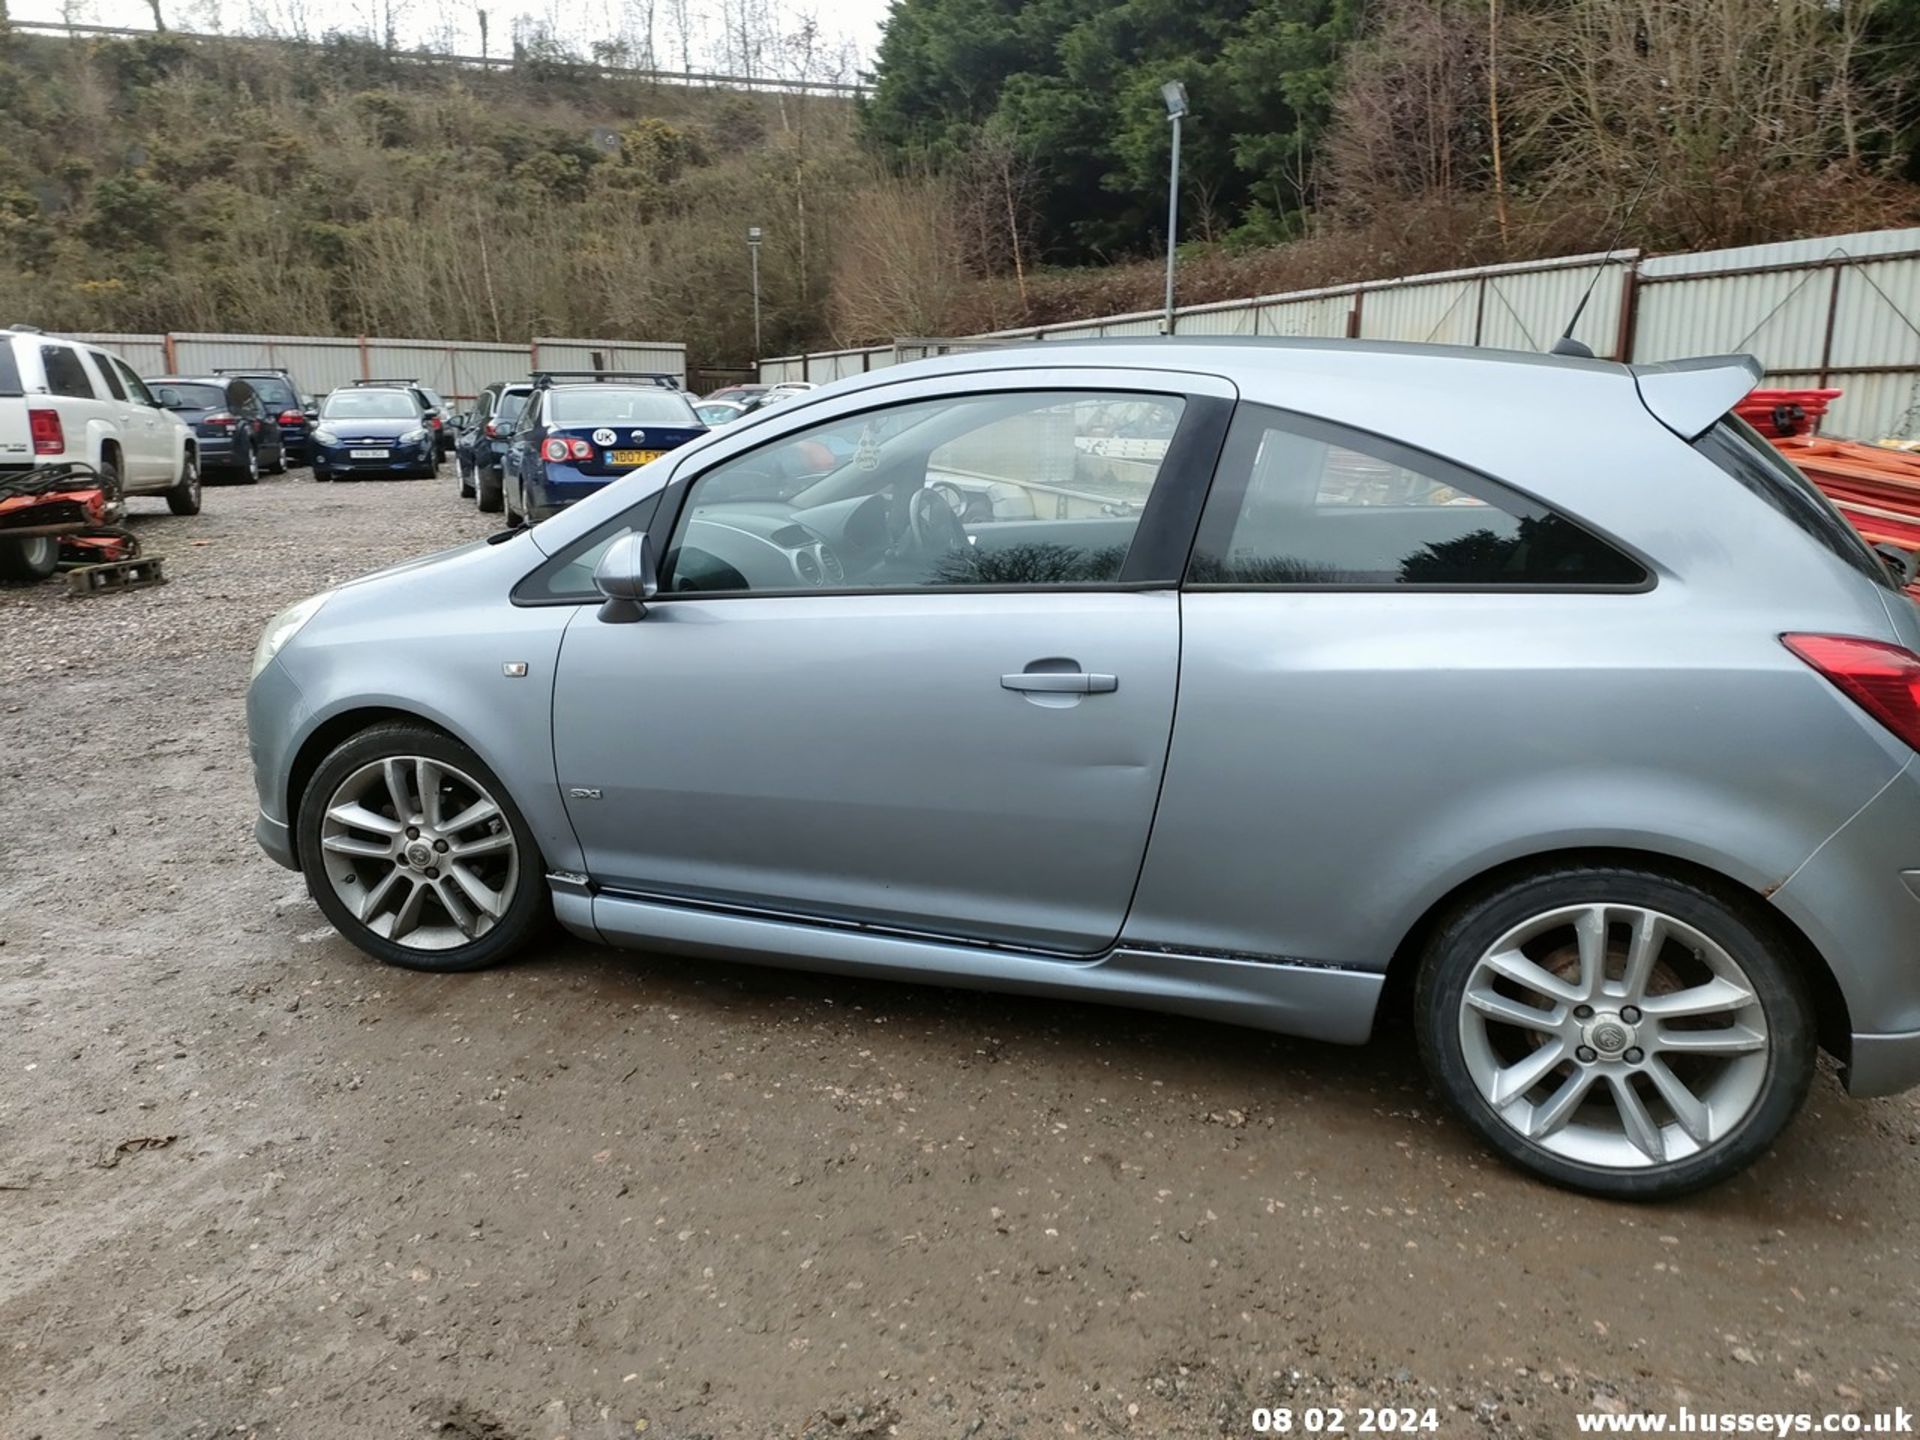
x: 68, y: 502
x: 1877, y: 487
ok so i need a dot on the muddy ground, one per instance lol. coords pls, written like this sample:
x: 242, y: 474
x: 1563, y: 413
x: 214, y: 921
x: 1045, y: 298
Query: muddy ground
x: 253, y: 1183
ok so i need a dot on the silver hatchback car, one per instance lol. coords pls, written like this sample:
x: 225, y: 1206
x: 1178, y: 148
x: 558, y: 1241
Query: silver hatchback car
x: 1258, y: 681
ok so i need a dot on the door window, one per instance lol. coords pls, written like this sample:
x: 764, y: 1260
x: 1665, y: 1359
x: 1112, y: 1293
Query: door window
x: 114, y: 387
x: 66, y: 372
x: 1300, y: 502
x: 136, y: 387
x: 1001, y: 490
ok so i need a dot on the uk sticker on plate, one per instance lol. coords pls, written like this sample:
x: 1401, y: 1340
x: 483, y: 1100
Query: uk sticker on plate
x: 366, y: 454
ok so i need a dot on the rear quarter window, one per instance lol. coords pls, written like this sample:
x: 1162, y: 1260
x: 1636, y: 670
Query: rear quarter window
x: 9, y: 372
x: 1740, y: 450
x: 66, y: 372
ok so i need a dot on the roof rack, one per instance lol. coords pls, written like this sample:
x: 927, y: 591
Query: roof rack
x: 245, y: 370
x: 409, y: 380
x: 26, y: 329
x: 542, y: 379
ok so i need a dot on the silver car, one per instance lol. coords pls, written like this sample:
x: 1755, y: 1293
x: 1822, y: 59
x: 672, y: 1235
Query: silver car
x: 1261, y: 681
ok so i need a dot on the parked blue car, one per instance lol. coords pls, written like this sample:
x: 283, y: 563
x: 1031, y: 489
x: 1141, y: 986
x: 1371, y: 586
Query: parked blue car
x: 582, y: 430
x: 375, y: 429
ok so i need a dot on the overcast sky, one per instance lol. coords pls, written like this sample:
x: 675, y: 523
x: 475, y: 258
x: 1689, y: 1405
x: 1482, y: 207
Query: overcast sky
x: 845, y: 23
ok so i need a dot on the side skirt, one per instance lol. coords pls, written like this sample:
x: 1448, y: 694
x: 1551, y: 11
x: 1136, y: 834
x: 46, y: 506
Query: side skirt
x: 1319, y: 1002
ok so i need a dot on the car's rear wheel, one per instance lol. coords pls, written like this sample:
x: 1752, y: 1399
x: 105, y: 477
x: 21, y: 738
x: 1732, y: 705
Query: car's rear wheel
x: 464, y: 472
x: 248, y: 468
x: 184, y: 497
x: 417, y: 854
x: 1617, y: 1031
x: 34, y: 558
x: 279, y: 465
x: 488, y: 490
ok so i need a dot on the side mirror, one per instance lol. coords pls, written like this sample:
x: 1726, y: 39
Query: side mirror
x: 627, y: 576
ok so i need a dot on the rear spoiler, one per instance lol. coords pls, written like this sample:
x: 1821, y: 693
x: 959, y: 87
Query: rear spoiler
x: 1690, y: 396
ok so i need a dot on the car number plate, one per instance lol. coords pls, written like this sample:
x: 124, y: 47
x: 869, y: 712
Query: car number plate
x: 366, y: 454
x: 635, y: 457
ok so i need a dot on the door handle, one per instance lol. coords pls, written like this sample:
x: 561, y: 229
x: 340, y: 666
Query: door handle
x: 1053, y: 682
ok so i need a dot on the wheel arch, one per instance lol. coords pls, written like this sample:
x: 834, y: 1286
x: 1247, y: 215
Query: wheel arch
x: 1830, y: 1004
x: 334, y: 731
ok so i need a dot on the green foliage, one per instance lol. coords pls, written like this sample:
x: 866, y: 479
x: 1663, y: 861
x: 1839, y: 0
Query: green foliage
x: 1078, y: 82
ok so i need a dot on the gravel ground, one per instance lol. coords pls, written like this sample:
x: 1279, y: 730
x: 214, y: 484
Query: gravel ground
x: 253, y: 1183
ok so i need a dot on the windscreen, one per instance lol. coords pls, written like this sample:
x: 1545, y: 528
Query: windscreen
x: 616, y: 405
x: 176, y: 396
x: 274, y: 393
x: 370, y: 405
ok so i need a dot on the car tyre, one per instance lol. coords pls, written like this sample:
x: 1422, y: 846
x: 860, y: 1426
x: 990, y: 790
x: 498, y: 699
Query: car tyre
x: 25, y: 561
x: 1637, y: 1101
x: 464, y: 472
x: 488, y: 490
x: 184, y: 497
x: 248, y: 470
x: 114, y: 505
x: 279, y: 465
x: 352, y: 806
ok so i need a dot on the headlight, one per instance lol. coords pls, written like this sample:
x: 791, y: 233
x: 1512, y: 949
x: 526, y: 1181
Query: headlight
x: 326, y: 437
x: 413, y: 437
x: 282, y: 628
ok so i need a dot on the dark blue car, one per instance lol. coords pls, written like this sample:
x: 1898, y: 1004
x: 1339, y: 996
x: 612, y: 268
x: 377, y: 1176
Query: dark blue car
x: 371, y: 429
x: 580, y: 431
x: 280, y: 395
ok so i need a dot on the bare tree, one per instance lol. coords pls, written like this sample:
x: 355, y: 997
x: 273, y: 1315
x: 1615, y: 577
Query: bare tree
x: 1736, y: 108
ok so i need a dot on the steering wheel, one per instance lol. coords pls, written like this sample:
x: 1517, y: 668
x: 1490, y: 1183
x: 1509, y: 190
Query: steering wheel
x: 933, y: 528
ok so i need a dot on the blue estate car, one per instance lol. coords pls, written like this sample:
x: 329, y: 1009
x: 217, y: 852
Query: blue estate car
x: 375, y: 429
x: 582, y: 430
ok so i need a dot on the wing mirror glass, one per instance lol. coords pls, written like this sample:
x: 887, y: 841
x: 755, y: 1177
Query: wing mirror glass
x: 628, y: 577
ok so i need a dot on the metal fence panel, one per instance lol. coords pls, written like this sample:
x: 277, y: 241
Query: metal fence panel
x: 1529, y: 309
x: 1438, y: 312
x: 147, y: 354
x: 1778, y: 315
x: 657, y: 356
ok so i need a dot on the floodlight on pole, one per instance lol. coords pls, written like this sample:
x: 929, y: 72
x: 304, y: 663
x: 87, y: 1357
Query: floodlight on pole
x: 1175, y: 96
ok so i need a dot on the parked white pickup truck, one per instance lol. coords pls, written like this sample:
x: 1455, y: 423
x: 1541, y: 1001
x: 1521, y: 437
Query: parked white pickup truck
x: 64, y: 402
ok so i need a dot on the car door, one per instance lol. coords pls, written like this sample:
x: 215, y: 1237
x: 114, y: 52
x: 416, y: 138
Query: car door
x: 148, y: 457
x: 913, y: 666
x: 519, y: 449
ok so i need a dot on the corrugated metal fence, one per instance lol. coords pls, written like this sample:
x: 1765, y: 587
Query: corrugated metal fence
x: 1842, y: 311
x: 458, y: 369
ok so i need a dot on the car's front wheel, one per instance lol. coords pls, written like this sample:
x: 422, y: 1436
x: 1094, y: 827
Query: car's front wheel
x: 1616, y: 1030
x: 417, y: 854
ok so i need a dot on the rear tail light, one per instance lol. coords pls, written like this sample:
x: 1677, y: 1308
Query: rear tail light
x: 48, y: 437
x: 579, y: 450
x: 490, y: 430
x: 221, y: 419
x: 558, y: 448
x: 1882, y: 679
x: 433, y: 422
x: 292, y: 417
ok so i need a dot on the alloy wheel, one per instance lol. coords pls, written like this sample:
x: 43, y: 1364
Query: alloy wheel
x: 419, y: 852
x: 1614, y: 1035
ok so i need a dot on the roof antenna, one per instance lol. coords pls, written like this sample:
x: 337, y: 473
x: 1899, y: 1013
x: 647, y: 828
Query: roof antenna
x: 1566, y: 344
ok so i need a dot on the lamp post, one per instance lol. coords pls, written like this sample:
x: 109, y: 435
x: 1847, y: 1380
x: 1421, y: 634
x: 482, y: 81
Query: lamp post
x: 1175, y: 94
x: 753, y: 254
